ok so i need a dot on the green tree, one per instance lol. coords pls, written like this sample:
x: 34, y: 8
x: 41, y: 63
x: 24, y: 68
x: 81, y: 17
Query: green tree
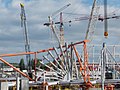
x: 33, y: 63
x: 22, y: 64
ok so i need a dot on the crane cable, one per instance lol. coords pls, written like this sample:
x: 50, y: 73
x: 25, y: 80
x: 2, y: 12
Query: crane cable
x: 105, y: 21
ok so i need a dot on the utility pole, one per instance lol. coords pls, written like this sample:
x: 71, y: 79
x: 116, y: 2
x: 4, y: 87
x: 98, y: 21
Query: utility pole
x: 27, y: 42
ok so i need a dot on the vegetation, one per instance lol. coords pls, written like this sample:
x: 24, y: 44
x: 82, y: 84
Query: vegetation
x: 22, y: 64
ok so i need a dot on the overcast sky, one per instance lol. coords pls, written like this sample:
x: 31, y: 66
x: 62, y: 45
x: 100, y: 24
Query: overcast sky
x: 37, y: 12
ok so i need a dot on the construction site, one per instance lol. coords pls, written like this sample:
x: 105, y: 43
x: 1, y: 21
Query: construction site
x: 79, y: 65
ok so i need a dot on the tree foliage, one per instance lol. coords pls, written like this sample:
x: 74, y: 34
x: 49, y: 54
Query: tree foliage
x: 22, y: 64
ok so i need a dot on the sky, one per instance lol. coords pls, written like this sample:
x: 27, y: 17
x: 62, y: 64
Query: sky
x: 40, y: 36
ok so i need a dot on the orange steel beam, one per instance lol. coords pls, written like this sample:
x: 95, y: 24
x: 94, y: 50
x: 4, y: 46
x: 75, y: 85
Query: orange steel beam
x: 25, y: 53
x: 83, y: 67
x: 86, y: 71
x: 46, y: 50
x: 17, y: 54
x: 73, y: 45
x: 79, y: 60
x: 23, y: 74
x: 85, y: 41
x: 40, y: 51
x: 86, y: 62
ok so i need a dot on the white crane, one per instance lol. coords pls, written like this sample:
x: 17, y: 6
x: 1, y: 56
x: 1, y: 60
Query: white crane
x: 53, y: 27
x: 92, y: 20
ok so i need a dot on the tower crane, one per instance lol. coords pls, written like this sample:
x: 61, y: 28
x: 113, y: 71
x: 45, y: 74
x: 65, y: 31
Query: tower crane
x: 92, y: 20
x: 27, y: 42
x: 53, y: 28
x: 86, y: 17
x: 61, y: 9
x: 94, y: 16
x: 61, y: 30
x: 108, y: 17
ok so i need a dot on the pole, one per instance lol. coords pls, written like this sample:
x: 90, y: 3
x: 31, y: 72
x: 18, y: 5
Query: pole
x: 35, y: 62
x: 18, y: 82
x: 103, y: 62
x: 105, y: 21
x: 61, y: 30
x: 93, y: 62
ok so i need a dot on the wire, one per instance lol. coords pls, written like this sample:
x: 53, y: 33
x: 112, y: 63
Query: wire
x: 105, y: 20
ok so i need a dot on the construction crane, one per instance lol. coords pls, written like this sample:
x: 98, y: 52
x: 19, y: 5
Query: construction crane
x: 86, y: 17
x: 61, y: 30
x: 58, y: 11
x: 27, y: 42
x: 92, y: 20
x: 53, y: 28
x: 61, y: 9
x: 94, y: 16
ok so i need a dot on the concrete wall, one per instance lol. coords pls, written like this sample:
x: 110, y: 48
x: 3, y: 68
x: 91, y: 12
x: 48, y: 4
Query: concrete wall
x: 3, y: 85
x: 24, y: 84
x: 95, y: 89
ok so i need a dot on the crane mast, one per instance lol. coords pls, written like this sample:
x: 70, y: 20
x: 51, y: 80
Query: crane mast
x: 60, y: 39
x: 27, y: 42
x: 61, y: 30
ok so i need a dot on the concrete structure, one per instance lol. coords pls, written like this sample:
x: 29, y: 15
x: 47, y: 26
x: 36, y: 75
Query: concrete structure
x: 24, y: 84
x: 95, y: 89
x: 3, y: 85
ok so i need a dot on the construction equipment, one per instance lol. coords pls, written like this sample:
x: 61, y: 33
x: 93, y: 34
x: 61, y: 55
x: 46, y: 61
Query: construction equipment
x: 61, y: 69
x: 92, y: 20
x: 58, y: 11
x: 94, y: 16
x: 100, y: 18
x: 27, y: 42
x: 53, y: 27
x: 61, y: 9
x: 61, y: 30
